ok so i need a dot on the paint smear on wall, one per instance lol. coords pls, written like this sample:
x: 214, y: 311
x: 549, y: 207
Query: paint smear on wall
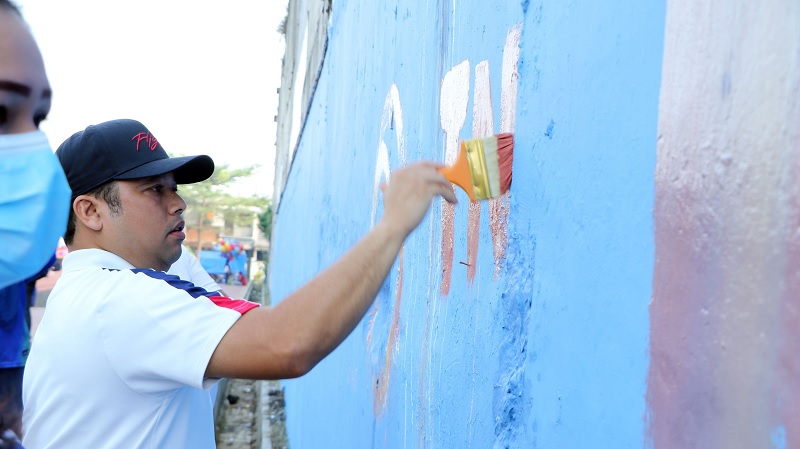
x: 392, y: 117
x: 452, y: 115
x: 382, y: 379
x: 725, y: 325
x: 482, y: 125
x: 498, y: 208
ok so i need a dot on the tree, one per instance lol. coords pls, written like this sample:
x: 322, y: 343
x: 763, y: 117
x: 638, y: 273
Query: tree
x: 265, y: 221
x: 210, y: 197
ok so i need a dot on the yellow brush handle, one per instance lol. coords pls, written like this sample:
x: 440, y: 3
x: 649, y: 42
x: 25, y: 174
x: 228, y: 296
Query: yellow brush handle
x: 458, y: 173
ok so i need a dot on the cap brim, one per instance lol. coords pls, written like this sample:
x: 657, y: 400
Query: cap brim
x: 187, y: 169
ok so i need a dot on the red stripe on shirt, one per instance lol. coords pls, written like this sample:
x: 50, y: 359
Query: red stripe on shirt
x: 239, y: 305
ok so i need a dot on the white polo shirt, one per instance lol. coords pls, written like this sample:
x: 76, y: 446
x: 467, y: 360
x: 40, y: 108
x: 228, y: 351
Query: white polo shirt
x: 188, y: 268
x: 119, y: 358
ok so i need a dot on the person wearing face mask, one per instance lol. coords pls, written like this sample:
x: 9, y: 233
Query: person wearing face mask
x: 34, y: 194
x: 34, y: 202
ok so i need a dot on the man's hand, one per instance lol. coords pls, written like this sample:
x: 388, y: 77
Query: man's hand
x: 408, y: 195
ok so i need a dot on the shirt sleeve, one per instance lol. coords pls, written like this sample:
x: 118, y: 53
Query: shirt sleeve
x: 174, y: 333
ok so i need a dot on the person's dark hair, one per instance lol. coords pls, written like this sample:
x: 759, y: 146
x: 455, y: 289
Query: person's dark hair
x: 109, y: 192
x: 10, y: 6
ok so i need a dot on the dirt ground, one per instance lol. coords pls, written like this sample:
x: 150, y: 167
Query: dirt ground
x: 240, y: 424
x: 237, y: 424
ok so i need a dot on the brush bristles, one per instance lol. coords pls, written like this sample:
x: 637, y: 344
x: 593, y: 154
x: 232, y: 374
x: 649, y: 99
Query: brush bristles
x: 505, y: 159
x: 498, y: 154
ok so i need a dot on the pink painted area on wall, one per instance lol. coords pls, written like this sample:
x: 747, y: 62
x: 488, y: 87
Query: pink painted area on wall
x: 787, y: 411
x: 498, y: 208
x: 482, y: 125
x: 725, y: 323
x: 453, y: 113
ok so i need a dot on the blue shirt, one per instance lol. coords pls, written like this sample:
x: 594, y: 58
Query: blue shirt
x: 15, y: 333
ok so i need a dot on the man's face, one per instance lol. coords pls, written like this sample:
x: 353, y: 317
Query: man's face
x: 149, y: 230
x: 24, y: 89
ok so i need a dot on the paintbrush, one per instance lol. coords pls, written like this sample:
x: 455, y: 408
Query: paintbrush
x: 483, y: 166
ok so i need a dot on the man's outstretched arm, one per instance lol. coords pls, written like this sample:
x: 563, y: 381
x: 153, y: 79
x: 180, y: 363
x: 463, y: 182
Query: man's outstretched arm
x: 288, y: 340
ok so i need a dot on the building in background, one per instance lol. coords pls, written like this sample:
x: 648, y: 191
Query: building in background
x: 214, y: 227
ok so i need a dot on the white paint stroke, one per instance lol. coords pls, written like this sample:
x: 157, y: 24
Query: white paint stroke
x: 482, y: 112
x: 508, y: 96
x: 453, y: 102
x: 392, y: 112
x: 381, y: 173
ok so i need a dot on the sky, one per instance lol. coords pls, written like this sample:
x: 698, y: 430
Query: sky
x: 202, y: 76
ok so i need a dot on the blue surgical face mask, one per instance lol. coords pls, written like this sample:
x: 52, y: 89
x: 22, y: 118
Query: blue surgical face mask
x: 34, y: 204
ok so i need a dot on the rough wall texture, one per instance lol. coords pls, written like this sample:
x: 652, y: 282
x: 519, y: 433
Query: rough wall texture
x: 725, y: 320
x: 526, y: 321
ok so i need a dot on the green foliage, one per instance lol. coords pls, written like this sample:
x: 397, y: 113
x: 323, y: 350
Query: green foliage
x: 265, y: 221
x: 211, y: 198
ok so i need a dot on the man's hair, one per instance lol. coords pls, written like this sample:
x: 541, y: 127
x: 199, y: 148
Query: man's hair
x: 10, y: 6
x: 109, y: 192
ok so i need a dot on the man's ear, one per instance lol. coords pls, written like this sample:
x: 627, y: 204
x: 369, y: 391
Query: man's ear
x: 87, y: 211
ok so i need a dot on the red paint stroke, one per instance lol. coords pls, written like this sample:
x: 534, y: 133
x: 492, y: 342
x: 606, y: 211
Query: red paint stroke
x: 448, y: 234
x: 382, y: 380
x: 482, y: 125
x: 473, y: 231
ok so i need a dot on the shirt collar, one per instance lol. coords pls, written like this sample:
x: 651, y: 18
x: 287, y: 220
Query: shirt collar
x: 92, y: 258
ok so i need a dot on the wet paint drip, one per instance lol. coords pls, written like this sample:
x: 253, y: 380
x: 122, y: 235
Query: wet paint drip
x: 453, y: 113
x: 473, y: 239
x: 448, y: 236
x: 482, y: 125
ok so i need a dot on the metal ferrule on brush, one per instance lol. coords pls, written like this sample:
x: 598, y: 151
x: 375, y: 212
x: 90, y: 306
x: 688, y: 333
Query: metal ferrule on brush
x: 477, y: 168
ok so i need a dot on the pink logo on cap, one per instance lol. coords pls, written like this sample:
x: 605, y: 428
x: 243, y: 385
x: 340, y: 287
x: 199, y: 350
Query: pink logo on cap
x: 149, y: 139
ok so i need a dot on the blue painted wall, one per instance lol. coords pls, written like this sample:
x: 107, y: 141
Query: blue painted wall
x: 554, y: 351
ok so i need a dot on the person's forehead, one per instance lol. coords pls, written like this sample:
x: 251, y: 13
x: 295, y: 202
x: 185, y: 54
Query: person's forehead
x: 20, y: 59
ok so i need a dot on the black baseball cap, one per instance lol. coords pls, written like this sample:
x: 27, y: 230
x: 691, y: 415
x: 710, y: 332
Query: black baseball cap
x: 123, y: 149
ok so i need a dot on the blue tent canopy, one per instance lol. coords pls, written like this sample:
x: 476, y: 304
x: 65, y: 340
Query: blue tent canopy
x: 214, y: 262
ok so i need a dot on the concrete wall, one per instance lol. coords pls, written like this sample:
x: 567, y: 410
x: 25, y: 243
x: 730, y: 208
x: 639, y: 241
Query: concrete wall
x: 636, y: 288
x: 305, y: 30
x: 725, y: 352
